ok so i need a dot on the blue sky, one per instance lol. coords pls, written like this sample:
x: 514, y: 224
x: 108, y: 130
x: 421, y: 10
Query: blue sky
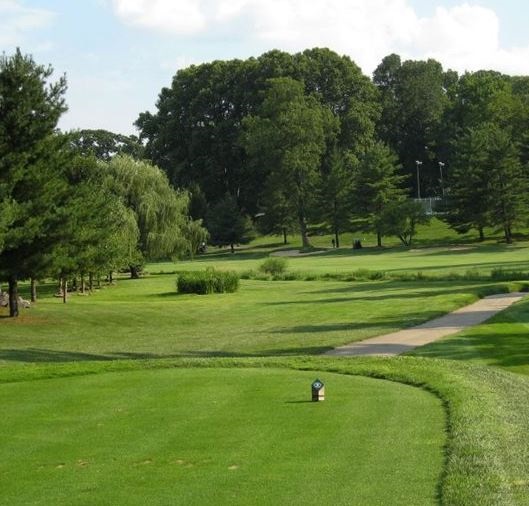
x: 117, y: 54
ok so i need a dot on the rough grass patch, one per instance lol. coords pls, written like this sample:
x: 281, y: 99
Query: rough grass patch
x: 207, y: 282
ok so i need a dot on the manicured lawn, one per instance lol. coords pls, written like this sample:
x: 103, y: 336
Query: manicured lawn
x: 503, y: 341
x: 145, y: 318
x: 441, y: 260
x: 486, y: 457
x: 218, y: 436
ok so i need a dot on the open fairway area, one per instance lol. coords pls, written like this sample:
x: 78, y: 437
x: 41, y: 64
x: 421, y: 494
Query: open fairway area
x: 146, y: 318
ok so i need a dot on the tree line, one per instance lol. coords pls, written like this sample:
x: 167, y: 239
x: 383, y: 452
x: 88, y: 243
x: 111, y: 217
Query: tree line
x: 76, y: 205
x: 297, y: 139
x: 282, y: 143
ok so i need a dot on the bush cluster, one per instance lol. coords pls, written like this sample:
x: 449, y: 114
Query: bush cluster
x: 274, y: 266
x: 208, y: 281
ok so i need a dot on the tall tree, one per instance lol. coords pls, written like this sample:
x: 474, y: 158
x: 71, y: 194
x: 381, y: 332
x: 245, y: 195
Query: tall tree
x: 289, y: 135
x: 30, y: 106
x: 489, y: 186
x: 377, y: 186
x: 414, y: 100
x: 227, y: 225
x: 335, y: 190
x: 193, y: 134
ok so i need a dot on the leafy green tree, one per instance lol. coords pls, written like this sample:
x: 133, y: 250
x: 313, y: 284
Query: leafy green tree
x: 489, y: 186
x: 193, y: 136
x: 30, y: 106
x: 278, y: 216
x: 159, y: 210
x: 414, y: 102
x: 289, y: 135
x: 377, y: 186
x: 104, y: 145
x: 335, y: 190
x: 401, y: 217
x: 227, y: 225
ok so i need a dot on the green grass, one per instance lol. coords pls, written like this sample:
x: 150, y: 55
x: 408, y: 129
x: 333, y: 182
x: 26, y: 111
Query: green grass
x: 433, y: 261
x: 486, y: 458
x: 503, y: 341
x: 146, y: 319
x: 218, y: 436
x: 54, y: 409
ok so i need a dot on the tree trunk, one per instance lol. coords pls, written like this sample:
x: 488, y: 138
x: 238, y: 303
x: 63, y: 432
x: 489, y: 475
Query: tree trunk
x: 82, y: 284
x: 232, y: 247
x: 64, y: 289
x: 90, y: 281
x: 285, y: 236
x: 337, y: 238
x: 98, y: 281
x: 303, y: 230
x: 33, y: 290
x: 379, y: 239
x: 508, y: 234
x: 134, y: 272
x: 111, y: 279
x: 481, y: 234
x: 13, y: 296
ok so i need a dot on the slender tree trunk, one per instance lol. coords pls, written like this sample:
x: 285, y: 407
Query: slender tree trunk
x: 508, y: 233
x: 134, y: 272
x: 284, y: 236
x: 303, y: 230
x: 232, y: 248
x: 110, y: 277
x: 74, y: 284
x: 379, y: 239
x: 336, y: 238
x: 82, y: 284
x: 90, y: 281
x: 64, y: 289
x: 98, y: 281
x: 13, y: 296
x: 481, y: 233
x: 33, y: 290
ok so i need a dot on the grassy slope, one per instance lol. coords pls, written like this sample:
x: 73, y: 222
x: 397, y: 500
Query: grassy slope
x: 145, y: 318
x: 224, y: 436
x: 503, y: 341
x: 487, y: 456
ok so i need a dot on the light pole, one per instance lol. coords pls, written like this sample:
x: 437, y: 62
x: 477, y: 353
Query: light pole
x: 441, y: 165
x: 418, y: 163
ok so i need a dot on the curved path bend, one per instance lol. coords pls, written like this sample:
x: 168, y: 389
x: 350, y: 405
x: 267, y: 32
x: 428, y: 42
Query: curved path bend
x: 452, y: 323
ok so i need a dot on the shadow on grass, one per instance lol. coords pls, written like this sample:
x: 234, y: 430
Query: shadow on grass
x: 40, y: 355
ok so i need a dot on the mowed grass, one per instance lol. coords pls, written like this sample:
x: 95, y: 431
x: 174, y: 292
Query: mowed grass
x: 471, y: 259
x: 146, y: 319
x: 219, y: 436
x: 503, y: 341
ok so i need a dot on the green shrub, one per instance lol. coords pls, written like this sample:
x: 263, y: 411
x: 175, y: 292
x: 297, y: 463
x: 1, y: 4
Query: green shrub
x: 274, y: 266
x: 208, y: 281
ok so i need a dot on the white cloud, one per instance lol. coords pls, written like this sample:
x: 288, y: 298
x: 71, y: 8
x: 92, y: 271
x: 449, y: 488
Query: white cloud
x: 462, y: 37
x: 179, y: 16
x: 18, y: 21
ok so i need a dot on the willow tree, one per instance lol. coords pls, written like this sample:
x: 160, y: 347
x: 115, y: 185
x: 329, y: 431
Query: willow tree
x: 160, y: 211
x: 289, y: 136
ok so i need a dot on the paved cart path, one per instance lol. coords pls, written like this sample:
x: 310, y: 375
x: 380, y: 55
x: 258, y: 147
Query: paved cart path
x: 408, y: 339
